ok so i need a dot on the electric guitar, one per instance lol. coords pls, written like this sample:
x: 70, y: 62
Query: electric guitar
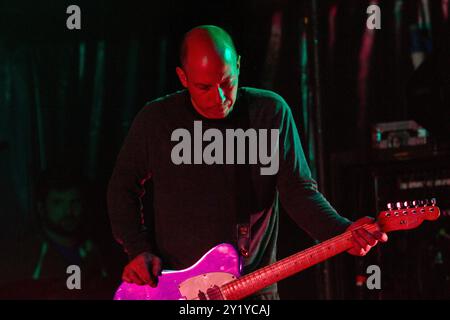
x: 216, y: 276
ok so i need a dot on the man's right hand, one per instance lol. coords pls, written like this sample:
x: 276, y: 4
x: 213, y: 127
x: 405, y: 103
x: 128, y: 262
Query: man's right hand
x: 143, y: 269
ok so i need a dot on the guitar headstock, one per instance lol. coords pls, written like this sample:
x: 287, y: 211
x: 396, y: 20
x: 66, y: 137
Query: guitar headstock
x: 407, y: 215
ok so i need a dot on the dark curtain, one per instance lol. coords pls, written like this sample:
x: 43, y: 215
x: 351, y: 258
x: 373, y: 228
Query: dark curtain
x: 69, y: 96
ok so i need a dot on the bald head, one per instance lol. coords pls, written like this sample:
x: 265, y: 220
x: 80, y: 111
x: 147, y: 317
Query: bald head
x: 207, y: 42
x: 210, y: 70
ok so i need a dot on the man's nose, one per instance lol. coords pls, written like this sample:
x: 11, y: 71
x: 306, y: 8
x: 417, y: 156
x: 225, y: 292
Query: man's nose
x: 220, y: 96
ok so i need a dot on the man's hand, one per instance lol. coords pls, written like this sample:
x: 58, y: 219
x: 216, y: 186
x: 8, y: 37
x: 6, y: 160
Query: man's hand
x: 364, y: 240
x: 143, y: 269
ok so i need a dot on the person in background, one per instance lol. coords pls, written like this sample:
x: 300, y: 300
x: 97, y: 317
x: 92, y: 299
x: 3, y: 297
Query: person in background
x: 38, y: 262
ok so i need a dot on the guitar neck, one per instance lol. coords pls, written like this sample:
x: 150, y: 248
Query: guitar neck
x: 259, y: 279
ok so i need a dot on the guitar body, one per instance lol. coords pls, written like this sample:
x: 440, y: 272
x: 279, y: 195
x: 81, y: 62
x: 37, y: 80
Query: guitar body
x: 218, y: 266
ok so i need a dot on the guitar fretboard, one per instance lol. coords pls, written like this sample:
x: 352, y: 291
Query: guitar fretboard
x: 255, y: 281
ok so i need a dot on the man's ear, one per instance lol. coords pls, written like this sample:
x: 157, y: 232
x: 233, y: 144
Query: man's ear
x: 182, y: 76
x: 238, y: 64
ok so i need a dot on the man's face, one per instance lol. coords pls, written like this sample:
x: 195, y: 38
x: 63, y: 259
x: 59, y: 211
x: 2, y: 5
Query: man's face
x: 212, y: 85
x: 63, y: 211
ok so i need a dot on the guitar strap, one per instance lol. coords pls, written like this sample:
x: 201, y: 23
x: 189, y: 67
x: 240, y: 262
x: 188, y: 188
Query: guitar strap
x: 245, y: 189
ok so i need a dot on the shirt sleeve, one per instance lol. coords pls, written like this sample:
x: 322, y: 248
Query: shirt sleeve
x: 126, y: 188
x: 298, y: 191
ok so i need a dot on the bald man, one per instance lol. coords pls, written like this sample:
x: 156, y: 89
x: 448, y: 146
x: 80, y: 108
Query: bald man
x: 210, y: 71
x: 197, y: 205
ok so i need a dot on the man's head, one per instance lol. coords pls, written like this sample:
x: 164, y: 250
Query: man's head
x: 60, y: 202
x: 210, y: 70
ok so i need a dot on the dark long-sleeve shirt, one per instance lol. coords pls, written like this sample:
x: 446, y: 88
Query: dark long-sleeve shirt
x: 195, y: 205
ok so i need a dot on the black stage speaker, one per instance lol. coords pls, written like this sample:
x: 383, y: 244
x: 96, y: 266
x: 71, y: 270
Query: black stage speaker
x: 414, y: 264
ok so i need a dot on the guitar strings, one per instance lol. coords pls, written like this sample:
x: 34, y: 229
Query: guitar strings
x: 280, y: 264
x: 287, y: 262
x: 296, y: 259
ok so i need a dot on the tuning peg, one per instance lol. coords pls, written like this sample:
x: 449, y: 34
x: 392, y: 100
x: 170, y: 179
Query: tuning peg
x: 407, y: 204
x: 433, y: 201
x: 390, y: 206
x: 398, y: 205
x: 416, y: 203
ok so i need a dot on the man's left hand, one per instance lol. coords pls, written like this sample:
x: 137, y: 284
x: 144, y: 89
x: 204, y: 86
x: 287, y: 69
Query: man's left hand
x: 364, y: 240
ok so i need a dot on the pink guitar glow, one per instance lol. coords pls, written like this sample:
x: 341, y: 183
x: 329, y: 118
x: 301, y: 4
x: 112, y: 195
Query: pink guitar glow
x: 216, y: 276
